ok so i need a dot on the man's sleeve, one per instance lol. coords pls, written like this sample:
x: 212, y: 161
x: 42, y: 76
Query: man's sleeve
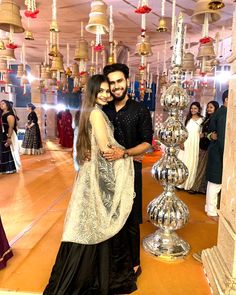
x: 145, y: 126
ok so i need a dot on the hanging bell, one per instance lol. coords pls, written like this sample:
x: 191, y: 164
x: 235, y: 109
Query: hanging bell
x: 57, y: 63
x: 3, y: 65
x: 45, y: 73
x: 98, y: 22
x: 20, y: 71
x: 29, y: 35
x: 206, y: 50
x: 83, y: 79
x: 53, y: 50
x: 75, y: 70
x: 7, y: 53
x: 216, y: 4
x: 2, y: 45
x: 162, y: 26
x: 54, y: 26
x: 201, y: 9
x: 143, y: 46
x: 111, y: 59
x: 10, y: 16
x: 188, y: 62
x: 24, y: 78
x: 6, y: 78
x: 81, y: 50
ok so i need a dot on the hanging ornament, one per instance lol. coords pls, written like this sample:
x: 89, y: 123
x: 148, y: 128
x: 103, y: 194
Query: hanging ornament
x: 216, y: 4
x: 143, y: 7
x: 31, y: 11
x: 162, y: 22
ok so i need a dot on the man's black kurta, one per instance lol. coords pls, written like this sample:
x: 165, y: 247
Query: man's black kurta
x: 216, y: 148
x: 132, y: 126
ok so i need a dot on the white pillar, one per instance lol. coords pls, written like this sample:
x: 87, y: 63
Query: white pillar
x: 220, y: 261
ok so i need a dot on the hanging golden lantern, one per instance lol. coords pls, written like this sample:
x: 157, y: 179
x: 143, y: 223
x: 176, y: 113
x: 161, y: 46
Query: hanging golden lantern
x: 29, y: 35
x: 216, y: 4
x: 10, y: 17
x: 162, y: 26
x: 201, y: 9
x: 143, y: 47
x: 98, y: 21
x: 81, y: 50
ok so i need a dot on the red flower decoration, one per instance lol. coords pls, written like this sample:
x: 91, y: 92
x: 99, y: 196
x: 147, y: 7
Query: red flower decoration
x: 75, y: 90
x: 11, y: 46
x: 205, y: 40
x: 82, y: 73
x: 141, y: 68
x: 2, y: 82
x: 31, y: 14
x: 98, y: 48
x: 143, y: 9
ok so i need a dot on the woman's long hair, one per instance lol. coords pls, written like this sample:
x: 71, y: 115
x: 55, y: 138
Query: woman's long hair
x: 189, y: 115
x: 84, y: 141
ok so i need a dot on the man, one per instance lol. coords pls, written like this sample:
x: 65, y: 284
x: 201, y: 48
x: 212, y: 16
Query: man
x: 215, y: 157
x: 214, y: 167
x: 133, y: 130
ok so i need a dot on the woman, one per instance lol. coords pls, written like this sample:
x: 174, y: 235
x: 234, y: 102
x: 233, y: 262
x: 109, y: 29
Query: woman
x: 10, y: 158
x: 32, y: 143
x: 66, y: 135
x: 200, y: 181
x: 5, y: 250
x: 94, y: 257
x: 75, y: 126
x: 190, y: 150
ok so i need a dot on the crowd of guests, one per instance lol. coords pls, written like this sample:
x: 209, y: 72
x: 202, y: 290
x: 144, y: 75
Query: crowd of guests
x: 203, y: 150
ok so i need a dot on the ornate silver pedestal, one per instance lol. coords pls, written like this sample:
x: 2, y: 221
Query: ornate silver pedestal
x: 167, y: 211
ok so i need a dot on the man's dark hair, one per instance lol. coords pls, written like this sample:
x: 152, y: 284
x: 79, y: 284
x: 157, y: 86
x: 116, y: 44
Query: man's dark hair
x: 225, y: 95
x: 116, y: 67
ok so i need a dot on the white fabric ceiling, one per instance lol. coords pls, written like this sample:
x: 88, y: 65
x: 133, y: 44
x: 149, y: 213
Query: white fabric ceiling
x: 127, y: 26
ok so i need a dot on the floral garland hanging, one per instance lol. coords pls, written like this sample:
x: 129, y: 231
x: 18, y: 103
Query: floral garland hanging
x: 31, y: 11
x: 143, y: 7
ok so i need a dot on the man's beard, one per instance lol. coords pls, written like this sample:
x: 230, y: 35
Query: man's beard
x: 120, y: 98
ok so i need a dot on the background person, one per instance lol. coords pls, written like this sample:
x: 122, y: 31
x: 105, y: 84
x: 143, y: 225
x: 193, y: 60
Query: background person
x: 32, y: 142
x: 10, y: 157
x: 189, y: 152
x: 200, y: 183
x: 215, y: 156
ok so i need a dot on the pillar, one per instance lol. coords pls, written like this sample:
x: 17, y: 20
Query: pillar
x: 220, y: 261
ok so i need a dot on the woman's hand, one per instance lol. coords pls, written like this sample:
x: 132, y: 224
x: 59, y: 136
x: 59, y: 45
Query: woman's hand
x: 8, y: 142
x: 113, y: 153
